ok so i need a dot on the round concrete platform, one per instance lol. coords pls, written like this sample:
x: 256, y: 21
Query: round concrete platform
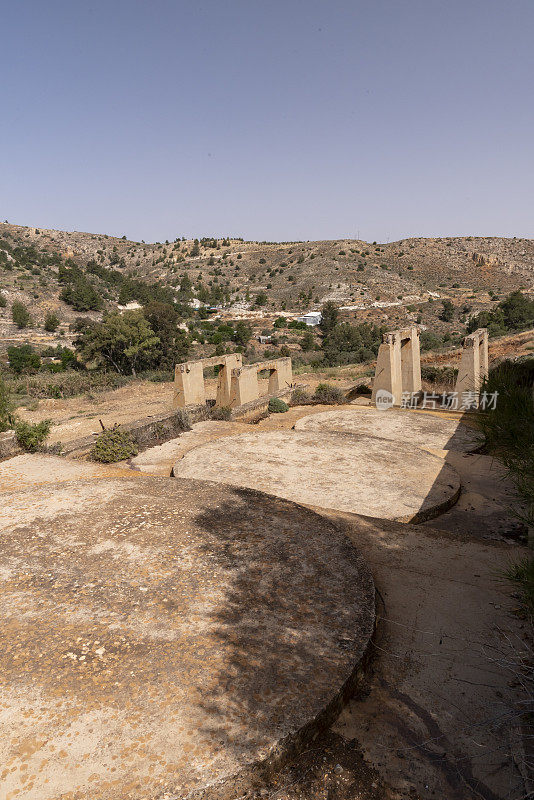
x: 159, y: 636
x: 410, y: 427
x: 365, y: 475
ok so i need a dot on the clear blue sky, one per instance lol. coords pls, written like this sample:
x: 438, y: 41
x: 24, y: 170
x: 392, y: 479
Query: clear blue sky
x: 269, y: 119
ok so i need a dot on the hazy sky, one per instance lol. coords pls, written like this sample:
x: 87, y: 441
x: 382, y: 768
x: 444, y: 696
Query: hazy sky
x: 268, y: 119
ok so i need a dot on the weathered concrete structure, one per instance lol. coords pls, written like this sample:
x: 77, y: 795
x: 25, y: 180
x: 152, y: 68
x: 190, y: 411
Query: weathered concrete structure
x: 245, y: 387
x: 147, y: 642
x: 236, y: 385
x: 474, y: 363
x: 189, y: 387
x: 398, y: 366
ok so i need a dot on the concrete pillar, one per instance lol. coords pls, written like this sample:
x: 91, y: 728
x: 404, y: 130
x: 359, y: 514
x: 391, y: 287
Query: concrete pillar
x: 410, y: 361
x: 224, y: 383
x: 189, y: 385
x: 388, y: 375
x: 244, y: 386
x: 281, y: 377
x: 474, y: 363
x: 468, y: 379
x: 483, y: 354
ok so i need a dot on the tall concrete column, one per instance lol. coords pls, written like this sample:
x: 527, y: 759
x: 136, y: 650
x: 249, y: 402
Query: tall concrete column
x: 281, y: 376
x: 189, y: 385
x: 410, y: 361
x: 388, y: 374
x: 244, y: 386
x: 483, y: 354
x: 468, y: 379
x: 224, y: 383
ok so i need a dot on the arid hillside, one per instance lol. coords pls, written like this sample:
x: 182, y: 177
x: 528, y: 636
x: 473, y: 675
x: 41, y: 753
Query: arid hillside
x: 72, y: 274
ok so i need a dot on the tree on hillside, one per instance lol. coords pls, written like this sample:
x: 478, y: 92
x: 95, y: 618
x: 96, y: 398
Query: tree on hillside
x: 330, y: 316
x: 51, y: 322
x: 514, y: 313
x: 518, y: 311
x: 242, y: 333
x: 125, y: 342
x: 351, y: 344
x: 308, y: 341
x: 174, y: 342
x: 447, y: 314
x: 186, y: 287
x: 20, y: 315
x: 81, y: 295
x: 23, y: 359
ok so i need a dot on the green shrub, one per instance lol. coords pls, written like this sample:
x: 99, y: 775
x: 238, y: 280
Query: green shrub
x: 277, y: 406
x: 113, y: 445
x: 326, y: 393
x: 32, y: 437
x: 23, y: 359
x: 51, y: 323
x: 20, y: 315
x: 3, y: 301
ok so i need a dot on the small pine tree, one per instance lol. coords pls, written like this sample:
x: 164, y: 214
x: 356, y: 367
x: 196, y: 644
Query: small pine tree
x: 51, y: 322
x: 20, y: 315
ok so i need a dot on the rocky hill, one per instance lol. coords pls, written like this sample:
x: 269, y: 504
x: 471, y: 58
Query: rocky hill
x: 394, y: 282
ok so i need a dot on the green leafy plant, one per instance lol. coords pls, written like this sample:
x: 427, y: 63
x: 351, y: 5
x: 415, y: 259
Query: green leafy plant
x: 51, y: 323
x: 277, y: 406
x: 30, y: 436
x: 113, y: 445
x: 20, y: 315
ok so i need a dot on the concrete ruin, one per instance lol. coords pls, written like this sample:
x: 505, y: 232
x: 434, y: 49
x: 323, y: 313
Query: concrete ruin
x: 398, y: 366
x: 474, y: 363
x: 245, y: 387
x: 237, y: 384
x: 189, y: 388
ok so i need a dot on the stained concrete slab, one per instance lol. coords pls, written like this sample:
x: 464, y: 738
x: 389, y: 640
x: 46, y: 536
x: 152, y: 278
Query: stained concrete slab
x: 160, y: 459
x: 419, y: 428
x: 366, y: 475
x: 158, y: 636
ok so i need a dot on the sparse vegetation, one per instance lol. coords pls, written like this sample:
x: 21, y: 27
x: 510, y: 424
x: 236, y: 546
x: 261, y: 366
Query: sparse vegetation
x: 113, y: 445
x: 326, y: 393
x: 20, y: 315
x: 277, y: 406
x: 30, y: 436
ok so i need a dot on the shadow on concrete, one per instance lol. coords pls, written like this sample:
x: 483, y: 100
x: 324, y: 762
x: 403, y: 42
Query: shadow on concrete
x: 293, y: 630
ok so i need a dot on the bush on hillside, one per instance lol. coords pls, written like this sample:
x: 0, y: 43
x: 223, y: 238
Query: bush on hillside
x: 514, y: 313
x: 20, y: 315
x: 23, y: 359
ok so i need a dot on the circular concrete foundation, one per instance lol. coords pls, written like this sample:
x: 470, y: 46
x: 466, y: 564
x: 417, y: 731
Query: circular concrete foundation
x: 365, y: 474
x: 408, y: 427
x: 161, y: 636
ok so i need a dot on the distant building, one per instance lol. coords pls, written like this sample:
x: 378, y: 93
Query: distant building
x: 311, y: 318
x: 264, y: 339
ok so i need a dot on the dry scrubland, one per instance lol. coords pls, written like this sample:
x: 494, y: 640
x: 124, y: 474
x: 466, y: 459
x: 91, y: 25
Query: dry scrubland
x: 294, y: 276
